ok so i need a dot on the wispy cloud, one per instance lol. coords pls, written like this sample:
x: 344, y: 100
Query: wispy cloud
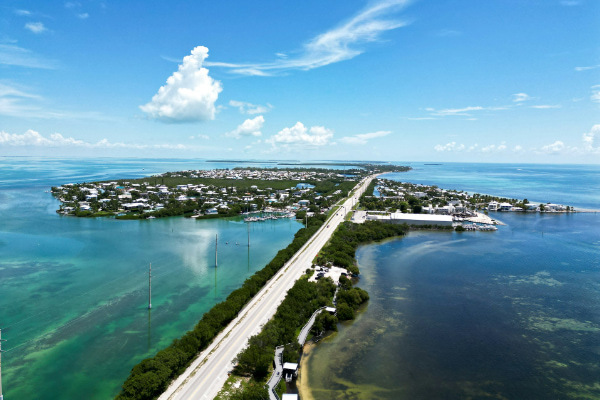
x: 301, y: 136
x: 36, y: 27
x: 546, y: 106
x: 338, y: 44
x: 18, y: 56
x: 22, y: 13
x: 363, y: 138
x: 595, y: 96
x: 448, y: 33
x: 520, y: 97
x: 465, y: 111
x: 570, y: 3
x: 33, y: 138
x: 250, y: 127
x: 590, y: 67
x: 20, y: 102
x: 249, y: 108
x: 189, y: 94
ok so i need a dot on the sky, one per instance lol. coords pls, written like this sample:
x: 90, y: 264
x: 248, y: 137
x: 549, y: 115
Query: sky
x: 392, y: 80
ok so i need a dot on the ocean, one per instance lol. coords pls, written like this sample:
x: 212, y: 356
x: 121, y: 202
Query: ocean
x: 511, y: 314
x: 74, y: 291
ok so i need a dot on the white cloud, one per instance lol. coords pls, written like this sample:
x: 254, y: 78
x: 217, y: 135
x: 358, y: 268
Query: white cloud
x: 520, y: 97
x: 363, y: 138
x: 455, y: 147
x: 250, y: 127
x: 455, y: 111
x: 570, y: 3
x: 299, y: 135
x: 18, y: 102
x: 36, y: 27
x: 249, y: 108
x: 83, y: 15
x: 189, y: 94
x: 493, y: 148
x: 595, y: 96
x: 338, y: 44
x: 591, y: 140
x: 546, y: 106
x: 448, y: 33
x: 23, y: 13
x: 554, y: 148
x: 33, y: 138
x: 452, y: 146
x: 18, y: 56
x: 579, y: 69
x: 518, y: 149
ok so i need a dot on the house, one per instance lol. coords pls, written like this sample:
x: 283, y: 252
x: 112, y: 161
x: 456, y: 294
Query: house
x: 290, y: 371
x: 493, y: 206
x: 505, y: 207
x: 303, y: 203
x: 211, y: 211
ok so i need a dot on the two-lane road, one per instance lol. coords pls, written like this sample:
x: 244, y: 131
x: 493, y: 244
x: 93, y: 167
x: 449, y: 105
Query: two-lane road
x: 207, y: 374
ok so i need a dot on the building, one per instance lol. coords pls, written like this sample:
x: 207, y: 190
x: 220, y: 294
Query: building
x: 413, y: 219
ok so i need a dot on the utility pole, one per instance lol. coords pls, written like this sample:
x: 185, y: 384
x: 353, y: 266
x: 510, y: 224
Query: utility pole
x: 1, y: 340
x: 216, y: 247
x: 149, y: 289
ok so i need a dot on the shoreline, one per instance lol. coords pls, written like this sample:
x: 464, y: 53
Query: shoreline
x: 302, y: 383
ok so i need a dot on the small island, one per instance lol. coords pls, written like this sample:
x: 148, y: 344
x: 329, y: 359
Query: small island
x: 215, y: 193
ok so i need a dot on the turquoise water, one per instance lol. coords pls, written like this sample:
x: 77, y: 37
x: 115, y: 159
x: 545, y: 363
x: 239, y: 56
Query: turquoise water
x: 73, y: 291
x: 512, y: 314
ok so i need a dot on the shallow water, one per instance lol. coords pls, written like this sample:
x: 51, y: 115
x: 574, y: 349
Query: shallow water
x: 512, y: 314
x: 74, y: 291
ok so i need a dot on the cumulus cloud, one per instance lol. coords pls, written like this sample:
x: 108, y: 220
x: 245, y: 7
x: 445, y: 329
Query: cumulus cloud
x: 36, y: 27
x: 33, y: 138
x: 338, y: 44
x: 189, y: 94
x: 249, y: 108
x: 452, y: 146
x: 300, y: 135
x: 363, y: 138
x: 250, y: 127
x: 591, y: 140
x: 595, y: 96
x: 554, y: 148
x: 492, y: 148
x: 520, y: 97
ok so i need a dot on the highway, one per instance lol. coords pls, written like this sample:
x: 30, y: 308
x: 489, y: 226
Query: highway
x: 205, y: 377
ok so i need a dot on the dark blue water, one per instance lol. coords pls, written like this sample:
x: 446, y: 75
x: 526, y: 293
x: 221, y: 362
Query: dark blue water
x: 512, y: 314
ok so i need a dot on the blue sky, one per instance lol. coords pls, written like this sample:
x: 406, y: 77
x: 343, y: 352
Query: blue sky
x: 482, y: 81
